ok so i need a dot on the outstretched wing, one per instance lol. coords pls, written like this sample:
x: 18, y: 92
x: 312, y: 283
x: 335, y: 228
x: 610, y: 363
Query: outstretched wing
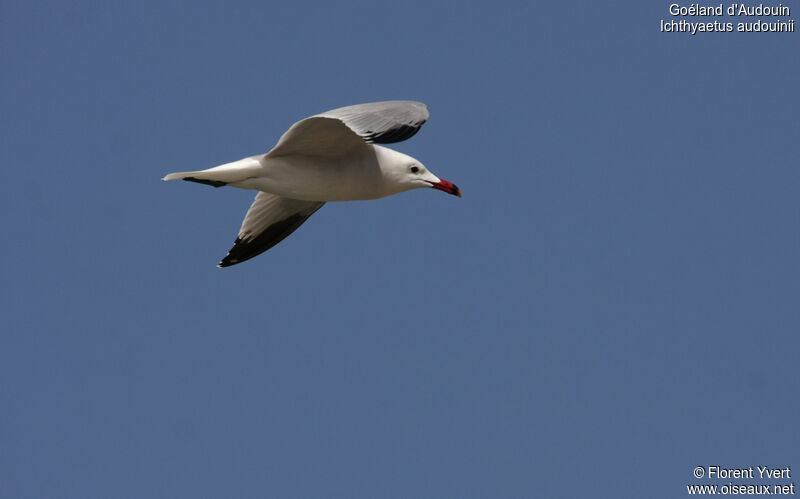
x: 344, y: 130
x: 268, y: 221
x: 382, y: 122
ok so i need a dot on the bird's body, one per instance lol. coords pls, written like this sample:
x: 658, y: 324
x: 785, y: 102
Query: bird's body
x: 328, y: 157
x: 314, y: 178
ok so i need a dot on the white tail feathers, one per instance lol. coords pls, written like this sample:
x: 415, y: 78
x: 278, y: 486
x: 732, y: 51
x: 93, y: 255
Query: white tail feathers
x: 227, y: 173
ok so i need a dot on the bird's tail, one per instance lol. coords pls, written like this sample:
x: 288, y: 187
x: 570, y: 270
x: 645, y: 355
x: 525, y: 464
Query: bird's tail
x: 222, y: 174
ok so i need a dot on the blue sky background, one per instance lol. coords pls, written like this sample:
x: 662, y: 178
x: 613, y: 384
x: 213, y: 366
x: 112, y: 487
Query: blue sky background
x: 613, y: 302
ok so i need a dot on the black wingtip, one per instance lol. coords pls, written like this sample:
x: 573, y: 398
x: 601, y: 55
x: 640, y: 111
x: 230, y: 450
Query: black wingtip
x: 397, y: 134
x: 213, y: 183
x: 229, y: 260
x: 245, y: 249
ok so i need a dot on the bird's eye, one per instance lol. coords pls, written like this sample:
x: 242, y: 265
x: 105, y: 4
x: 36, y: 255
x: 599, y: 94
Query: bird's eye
x: 414, y: 169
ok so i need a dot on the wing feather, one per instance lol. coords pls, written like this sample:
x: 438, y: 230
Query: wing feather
x: 344, y: 130
x: 269, y: 221
x: 383, y: 122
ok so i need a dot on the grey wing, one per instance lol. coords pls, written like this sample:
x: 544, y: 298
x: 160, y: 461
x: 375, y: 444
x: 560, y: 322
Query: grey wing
x: 348, y: 130
x: 382, y: 122
x: 268, y: 221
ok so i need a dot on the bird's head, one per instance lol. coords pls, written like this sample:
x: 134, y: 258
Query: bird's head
x: 406, y: 173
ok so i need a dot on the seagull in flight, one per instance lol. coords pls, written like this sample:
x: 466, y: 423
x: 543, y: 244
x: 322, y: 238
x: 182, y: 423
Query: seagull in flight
x: 332, y: 156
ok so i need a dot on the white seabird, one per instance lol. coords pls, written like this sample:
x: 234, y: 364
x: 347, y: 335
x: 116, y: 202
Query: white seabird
x: 330, y: 156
